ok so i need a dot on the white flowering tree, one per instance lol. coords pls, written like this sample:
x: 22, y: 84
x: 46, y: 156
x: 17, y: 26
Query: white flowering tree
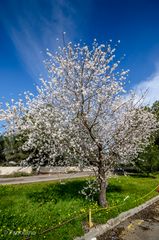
x: 81, y: 112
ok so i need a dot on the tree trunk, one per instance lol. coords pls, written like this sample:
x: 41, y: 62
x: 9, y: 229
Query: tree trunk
x: 102, y: 184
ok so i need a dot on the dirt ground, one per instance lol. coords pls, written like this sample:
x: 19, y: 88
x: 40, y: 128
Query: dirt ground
x: 142, y: 226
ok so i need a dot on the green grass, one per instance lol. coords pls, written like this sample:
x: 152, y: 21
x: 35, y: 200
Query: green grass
x: 34, y: 208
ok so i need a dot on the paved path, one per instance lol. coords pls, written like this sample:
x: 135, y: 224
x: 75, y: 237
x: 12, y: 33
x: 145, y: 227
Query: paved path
x: 142, y: 226
x: 44, y: 178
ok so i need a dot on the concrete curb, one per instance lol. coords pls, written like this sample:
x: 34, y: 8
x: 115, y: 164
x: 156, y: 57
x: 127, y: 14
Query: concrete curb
x: 100, y: 229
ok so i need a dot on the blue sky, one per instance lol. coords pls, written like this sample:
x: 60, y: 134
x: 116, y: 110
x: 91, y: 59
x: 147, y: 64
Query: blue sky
x: 28, y: 27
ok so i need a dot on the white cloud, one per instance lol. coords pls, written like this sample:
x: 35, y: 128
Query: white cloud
x: 151, y: 87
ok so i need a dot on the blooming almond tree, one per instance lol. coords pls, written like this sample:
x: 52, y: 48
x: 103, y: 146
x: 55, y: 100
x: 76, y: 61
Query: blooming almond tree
x: 82, y: 112
x: 87, y: 87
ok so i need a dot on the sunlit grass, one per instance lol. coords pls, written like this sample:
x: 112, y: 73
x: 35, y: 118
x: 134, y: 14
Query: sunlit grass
x: 34, y: 208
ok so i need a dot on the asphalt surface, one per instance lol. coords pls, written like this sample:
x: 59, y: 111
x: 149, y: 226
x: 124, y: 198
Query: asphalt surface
x: 142, y: 226
x: 44, y: 178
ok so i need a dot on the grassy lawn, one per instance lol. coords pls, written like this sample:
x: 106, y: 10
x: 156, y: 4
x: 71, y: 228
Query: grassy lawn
x: 34, y: 208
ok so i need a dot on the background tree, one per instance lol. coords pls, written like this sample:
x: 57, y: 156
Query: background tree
x: 12, y: 150
x: 148, y: 161
x: 2, y: 155
x: 155, y: 110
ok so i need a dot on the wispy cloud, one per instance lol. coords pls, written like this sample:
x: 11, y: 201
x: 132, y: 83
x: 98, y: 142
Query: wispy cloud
x: 150, y: 86
x: 34, y: 29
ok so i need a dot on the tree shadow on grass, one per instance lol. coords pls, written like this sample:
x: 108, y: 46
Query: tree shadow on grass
x: 54, y: 192
x: 141, y: 175
x: 64, y: 191
x: 114, y: 188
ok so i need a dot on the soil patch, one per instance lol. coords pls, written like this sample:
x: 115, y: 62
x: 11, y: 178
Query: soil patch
x: 142, y: 226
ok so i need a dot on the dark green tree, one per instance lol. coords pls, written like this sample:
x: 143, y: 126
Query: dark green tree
x: 11, y: 149
x: 2, y: 155
x: 148, y: 161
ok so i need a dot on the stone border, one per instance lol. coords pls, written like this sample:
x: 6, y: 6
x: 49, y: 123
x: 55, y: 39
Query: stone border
x: 11, y: 170
x: 100, y: 229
